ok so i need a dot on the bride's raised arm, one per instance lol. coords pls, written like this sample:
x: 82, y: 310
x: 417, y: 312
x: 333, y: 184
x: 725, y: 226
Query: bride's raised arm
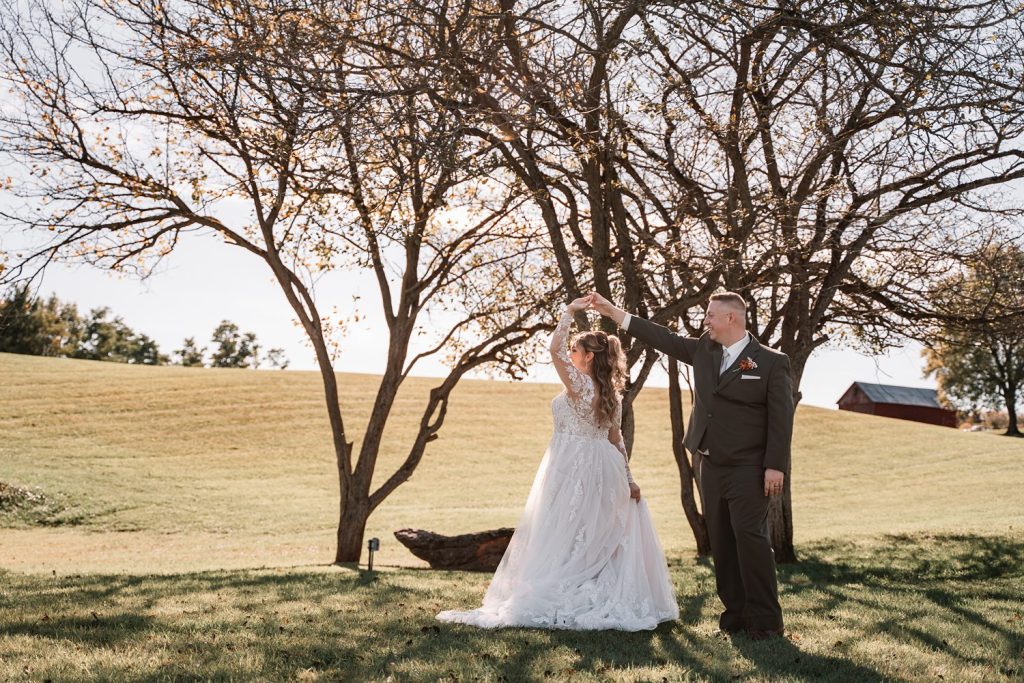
x: 573, y: 380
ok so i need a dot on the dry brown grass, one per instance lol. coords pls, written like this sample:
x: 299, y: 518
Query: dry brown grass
x: 178, y: 469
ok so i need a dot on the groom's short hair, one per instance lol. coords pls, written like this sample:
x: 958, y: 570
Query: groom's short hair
x: 733, y: 299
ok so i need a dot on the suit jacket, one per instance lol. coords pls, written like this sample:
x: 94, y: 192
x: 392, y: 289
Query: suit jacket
x: 743, y: 417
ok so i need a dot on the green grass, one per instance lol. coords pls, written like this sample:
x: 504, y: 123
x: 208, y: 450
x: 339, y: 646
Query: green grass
x: 910, y: 608
x: 188, y: 516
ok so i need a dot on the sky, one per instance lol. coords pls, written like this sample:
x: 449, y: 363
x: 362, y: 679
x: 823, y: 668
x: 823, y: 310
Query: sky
x: 206, y: 281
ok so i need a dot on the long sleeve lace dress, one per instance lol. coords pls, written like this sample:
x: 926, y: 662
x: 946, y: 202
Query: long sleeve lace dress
x: 584, y: 555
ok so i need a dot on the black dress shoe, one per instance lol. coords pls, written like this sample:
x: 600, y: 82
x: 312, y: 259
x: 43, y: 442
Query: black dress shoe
x: 731, y: 623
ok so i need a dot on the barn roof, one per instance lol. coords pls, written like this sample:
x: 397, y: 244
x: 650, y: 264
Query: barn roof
x: 906, y: 396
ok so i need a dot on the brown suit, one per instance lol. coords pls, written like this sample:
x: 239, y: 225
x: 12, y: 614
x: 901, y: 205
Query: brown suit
x: 743, y: 419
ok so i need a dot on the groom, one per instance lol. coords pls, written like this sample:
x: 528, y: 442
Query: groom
x: 741, y: 426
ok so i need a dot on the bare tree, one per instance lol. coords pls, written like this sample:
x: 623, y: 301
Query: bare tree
x: 817, y: 157
x: 827, y: 160
x: 850, y: 142
x: 139, y: 122
x: 976, y: 333
x: 543, y: 84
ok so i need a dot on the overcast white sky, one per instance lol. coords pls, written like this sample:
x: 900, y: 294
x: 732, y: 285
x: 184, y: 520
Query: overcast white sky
x: 206, y: 281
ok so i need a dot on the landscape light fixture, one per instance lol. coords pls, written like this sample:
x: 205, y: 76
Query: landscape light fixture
x: 372, y: 545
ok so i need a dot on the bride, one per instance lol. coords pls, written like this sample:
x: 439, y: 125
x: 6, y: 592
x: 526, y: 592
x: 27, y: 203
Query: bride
x: 584, y: 555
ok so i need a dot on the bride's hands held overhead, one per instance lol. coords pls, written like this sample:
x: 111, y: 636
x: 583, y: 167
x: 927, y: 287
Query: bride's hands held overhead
x: 600, y: 304
x: 579, y: 304
x: 606, y: 308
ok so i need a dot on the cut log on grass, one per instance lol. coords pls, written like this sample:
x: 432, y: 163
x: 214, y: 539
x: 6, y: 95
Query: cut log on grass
x: 477, y: 552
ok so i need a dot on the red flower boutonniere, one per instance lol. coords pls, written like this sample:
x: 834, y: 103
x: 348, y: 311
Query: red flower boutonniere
x: 748, y: 364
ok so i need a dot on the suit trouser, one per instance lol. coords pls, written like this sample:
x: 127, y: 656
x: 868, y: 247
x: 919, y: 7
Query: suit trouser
x: 736, y: 513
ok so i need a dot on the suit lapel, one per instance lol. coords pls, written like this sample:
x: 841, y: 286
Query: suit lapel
x: 731, y: 372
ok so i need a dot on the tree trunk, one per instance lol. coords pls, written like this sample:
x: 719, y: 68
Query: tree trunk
x: 354, y: 513
x: 686, y: 479
x: 1011, y: 412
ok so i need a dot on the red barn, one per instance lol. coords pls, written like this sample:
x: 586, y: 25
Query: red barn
x: 904, y: 403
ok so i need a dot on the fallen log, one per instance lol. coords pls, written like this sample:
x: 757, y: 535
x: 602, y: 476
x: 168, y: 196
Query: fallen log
x: 477, y: 552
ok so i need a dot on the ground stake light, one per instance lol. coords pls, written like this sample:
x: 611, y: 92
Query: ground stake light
x: 372, y: 545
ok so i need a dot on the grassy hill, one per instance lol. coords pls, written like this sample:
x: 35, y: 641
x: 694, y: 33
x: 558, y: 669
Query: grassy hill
x: 183, y: 522
x: 206, y: 468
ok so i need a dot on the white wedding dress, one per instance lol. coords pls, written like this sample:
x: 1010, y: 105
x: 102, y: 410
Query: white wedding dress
x: 584, y: 555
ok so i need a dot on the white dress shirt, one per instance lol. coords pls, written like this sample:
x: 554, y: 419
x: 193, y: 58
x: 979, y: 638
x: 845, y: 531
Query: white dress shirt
x: 729, y: 353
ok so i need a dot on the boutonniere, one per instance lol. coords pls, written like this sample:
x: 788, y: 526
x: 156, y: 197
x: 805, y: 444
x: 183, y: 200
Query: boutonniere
x: 748, y: 364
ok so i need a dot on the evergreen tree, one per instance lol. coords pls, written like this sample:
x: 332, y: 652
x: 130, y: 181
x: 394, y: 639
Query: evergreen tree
x: 191, y: 355
x: 112, y: 340
x: 31, y: 326
x: 231, y: 348
x: 277, y: 359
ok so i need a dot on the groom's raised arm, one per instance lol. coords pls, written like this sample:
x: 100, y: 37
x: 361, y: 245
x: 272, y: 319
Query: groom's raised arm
x: 661, y: 338
x: 665, y: 340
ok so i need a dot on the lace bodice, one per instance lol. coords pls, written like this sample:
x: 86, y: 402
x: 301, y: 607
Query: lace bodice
x: 573, y: 409
x: 575, y: 416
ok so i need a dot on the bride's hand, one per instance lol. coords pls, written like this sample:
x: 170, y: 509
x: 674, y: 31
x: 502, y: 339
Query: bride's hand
x: 634, y: 492
x: 579, y: 304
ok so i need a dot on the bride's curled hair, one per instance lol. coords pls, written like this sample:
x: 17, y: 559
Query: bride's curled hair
x: 608, y: 369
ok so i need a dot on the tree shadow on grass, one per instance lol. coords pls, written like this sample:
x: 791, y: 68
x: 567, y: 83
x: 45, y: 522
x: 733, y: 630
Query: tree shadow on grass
x: 204, y: 625
x: 907, y: 558
x: 909, y: 580
x: 95, y: 629
x: 780, y: 657
x: 351, y: 625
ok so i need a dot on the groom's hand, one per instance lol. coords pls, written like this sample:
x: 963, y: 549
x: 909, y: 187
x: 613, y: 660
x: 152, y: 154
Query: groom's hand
x: 773, y: 480
x: 606, y: 308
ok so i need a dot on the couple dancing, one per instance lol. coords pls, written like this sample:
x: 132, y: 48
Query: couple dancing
x: 585, y: 555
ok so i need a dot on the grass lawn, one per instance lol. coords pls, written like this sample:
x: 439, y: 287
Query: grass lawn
x: 184, y: 522
x: 916, y: 608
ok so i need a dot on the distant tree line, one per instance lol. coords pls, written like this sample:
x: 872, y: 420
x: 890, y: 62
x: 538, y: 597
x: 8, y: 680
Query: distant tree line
x: 50, y: 327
